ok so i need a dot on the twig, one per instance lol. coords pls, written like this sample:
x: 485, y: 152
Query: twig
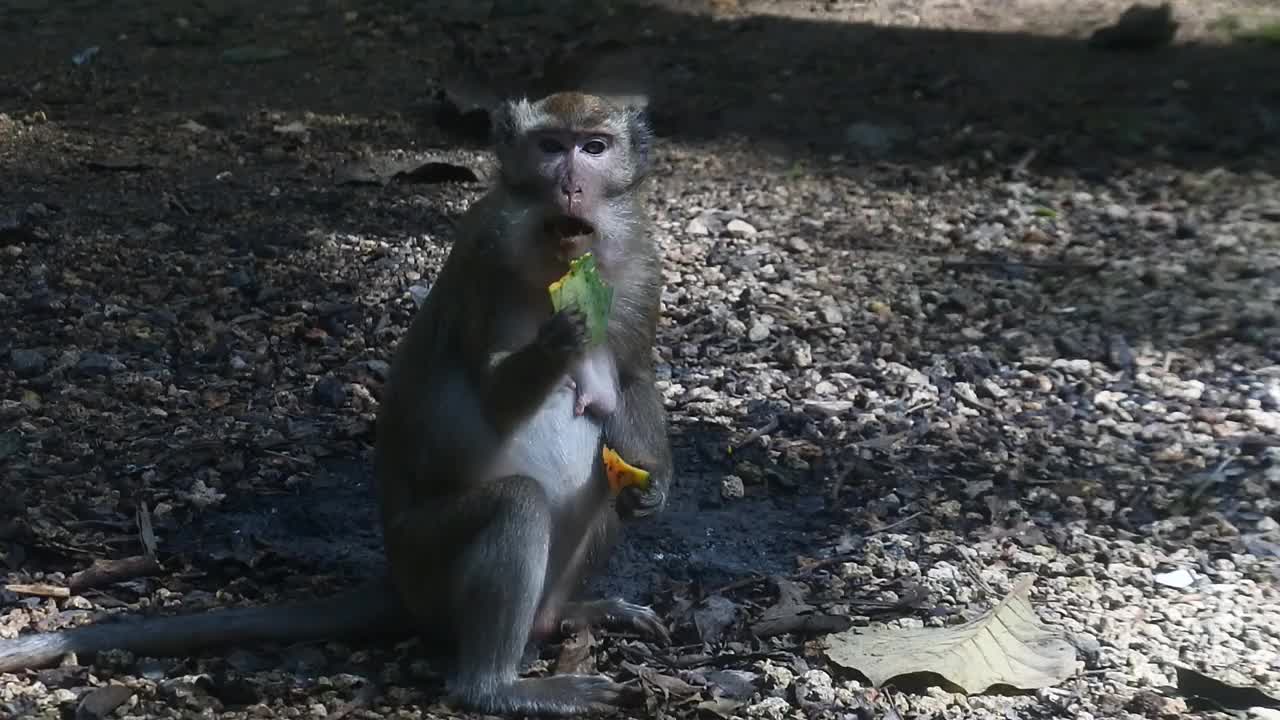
x: 896, y: 523
x: 738, y: 584
x: 971, y: 569
x: 39, y: 589
x: 755, y: 435
x: 1030, y: 265
x: 722, y: 660
x: 883, y: 443
x: 1023, y: 162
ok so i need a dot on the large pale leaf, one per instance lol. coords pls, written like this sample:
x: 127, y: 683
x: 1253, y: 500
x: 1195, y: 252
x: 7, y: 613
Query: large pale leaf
x: 1007, y: 645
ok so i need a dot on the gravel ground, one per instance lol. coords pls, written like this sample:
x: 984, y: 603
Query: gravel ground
x: 947, y: 304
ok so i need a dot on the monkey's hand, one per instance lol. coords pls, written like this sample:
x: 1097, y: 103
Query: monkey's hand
x: 636, y: 503
x: 565, y: 334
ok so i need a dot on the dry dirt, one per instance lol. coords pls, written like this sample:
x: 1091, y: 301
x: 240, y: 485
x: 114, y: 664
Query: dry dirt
x: 951, y: 298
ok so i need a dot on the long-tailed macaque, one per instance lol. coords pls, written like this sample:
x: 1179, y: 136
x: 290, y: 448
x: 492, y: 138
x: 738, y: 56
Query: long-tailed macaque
x: 488, y: 461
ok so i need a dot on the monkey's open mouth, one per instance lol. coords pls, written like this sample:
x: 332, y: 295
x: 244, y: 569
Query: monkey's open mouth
x: 567, y: 228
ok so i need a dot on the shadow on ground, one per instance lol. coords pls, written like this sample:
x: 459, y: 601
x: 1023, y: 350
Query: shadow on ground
x: 330, y: 527
x: 790, y: 86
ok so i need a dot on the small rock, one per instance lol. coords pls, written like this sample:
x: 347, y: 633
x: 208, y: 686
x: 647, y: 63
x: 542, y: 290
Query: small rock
x: 741, y: 228
x: 102, y: 702
x: 329, y: 392
x: 380, y: 369
x: 419, y: 293
x: 777, y: 677
x: 28, y: 363
x: 830, y: 310
x: 774, y: 708
x: 697, y: 227
x: 797, y: 244
x: 801, y: 355
x: 733, y: 684
x: 1267, y: 524
x: 1119, y: 354
x: 814, y: 687
x: 732, y: 488
x: 828, y: 408
x: 1180, y: 578
x: 93, y: 363
x: 759, y: 331
x: 1115, y: 211
x: 1268, y: 422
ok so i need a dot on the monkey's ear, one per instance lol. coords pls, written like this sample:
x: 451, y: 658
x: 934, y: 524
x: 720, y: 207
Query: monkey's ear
x: 510, y: 119
x: 641, y: 132
x: 502, y: 127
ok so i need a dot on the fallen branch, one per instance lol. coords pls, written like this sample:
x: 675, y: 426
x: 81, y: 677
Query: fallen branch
x: 105, y: 572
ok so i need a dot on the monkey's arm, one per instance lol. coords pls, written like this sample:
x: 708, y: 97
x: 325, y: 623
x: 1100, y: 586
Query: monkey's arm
x: 367, y: 609
x: 637, y: 430
x: 516, y: 384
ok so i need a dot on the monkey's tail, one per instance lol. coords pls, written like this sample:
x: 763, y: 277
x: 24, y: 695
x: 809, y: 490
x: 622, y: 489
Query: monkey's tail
x: 366, y: 609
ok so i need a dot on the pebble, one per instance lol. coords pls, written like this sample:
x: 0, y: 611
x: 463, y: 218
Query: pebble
x: 28, y: 363
x: 774, y: 708
x: 741, y: 228
x: 732, y: 487
x: 828, y: 408
x: 830, y: 310
x: 1116, y: 211
x: 697, y: 227
x: 329, y: 392
x: 94, y: 363
x: 814, y: 687
x: 419, y: 293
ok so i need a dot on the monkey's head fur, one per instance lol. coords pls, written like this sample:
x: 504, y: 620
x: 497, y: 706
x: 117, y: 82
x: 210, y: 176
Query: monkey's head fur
x: 576, y: 160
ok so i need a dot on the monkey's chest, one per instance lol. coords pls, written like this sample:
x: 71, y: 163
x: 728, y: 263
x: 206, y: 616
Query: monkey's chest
x: 557, y: 448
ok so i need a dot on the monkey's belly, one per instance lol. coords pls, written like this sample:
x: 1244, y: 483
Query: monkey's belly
x: 556, y: 448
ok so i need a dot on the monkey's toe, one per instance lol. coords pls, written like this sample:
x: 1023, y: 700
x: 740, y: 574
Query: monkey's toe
x: 643, y: 620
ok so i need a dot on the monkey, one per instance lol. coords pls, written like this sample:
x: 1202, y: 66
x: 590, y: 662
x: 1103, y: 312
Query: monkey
x: 510, y: 471
x: 488, y: 479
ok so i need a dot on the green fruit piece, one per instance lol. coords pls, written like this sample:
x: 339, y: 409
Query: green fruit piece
x: 583, y: 288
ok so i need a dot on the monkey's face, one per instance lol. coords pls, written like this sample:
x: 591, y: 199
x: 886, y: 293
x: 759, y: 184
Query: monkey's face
x: 577, y: 171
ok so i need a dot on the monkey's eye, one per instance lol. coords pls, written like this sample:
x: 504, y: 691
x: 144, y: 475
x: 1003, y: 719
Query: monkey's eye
x: 550, y: 145
x: 594, y: 147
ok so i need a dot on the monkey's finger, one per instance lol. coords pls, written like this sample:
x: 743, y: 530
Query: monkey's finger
x: 636, y: 503
x: 651, y: 626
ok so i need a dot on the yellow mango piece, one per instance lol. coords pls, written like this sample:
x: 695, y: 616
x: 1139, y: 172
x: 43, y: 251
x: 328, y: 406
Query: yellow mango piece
x: 621, y: 474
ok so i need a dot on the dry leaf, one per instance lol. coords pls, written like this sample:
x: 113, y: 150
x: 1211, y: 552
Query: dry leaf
x: 575, y: 654
x: 712, y: 616
x: 792, y: 614
x: 1007, y: 645
x: 670, y: 685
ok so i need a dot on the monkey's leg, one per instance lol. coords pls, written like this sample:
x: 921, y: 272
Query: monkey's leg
x: 637, y: 430
x: 557, y: 612
x: 499, y: 585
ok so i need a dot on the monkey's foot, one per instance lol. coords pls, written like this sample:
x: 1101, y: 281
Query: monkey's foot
x: 555, y: 695
x: 614, y: 614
